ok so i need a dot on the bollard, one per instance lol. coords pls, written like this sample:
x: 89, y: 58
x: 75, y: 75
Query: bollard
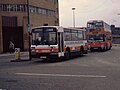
x: 17, y: 53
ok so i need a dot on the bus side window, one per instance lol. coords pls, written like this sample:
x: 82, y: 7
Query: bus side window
x: 84, y: 35
x: 67, y: 35
x: 80, y: 35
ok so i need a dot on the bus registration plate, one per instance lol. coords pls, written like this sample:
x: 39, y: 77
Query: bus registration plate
x: 43, y: 57
x: 95, y: 48
x: 45, y: 51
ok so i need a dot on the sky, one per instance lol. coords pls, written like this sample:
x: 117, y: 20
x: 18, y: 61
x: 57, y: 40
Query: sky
x: 86, y: 10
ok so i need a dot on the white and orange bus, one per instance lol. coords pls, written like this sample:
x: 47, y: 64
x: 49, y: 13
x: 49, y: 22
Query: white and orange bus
x: 56, y: 42
x: 99, y: 35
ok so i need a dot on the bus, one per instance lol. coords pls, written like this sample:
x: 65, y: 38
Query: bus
x: 99, y: 35
x: 52, y: 42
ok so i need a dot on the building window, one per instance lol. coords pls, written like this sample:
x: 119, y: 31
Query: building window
x: 12, y: 8
x: 40, y: 10
x: 44, y: 11
x: 33, y: 9
x: 23, y: 8
x: 4, y: 7
x: 50, y: 13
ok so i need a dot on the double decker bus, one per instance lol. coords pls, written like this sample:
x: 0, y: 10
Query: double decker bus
x: 99, y: 35
x: 51, y: 42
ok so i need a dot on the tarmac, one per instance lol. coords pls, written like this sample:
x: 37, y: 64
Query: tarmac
x: 117, y: 45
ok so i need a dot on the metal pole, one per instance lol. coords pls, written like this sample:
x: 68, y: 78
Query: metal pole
x: 73, y: 17
x: 28, y: 28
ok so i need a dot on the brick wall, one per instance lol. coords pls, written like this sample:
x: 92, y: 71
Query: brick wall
x: 35, y: 18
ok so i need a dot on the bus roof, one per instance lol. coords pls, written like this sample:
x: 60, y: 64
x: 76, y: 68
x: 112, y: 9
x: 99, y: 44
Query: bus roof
x: 91, y: 21
x: 45, y: 26
x: 81, y: 29
x: 60, y: 27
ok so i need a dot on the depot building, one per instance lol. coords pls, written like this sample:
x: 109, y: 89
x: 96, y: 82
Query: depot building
x: 14, y: 20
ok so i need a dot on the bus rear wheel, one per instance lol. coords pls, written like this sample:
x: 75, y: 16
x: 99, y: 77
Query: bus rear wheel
x: 110, y: 47
x: 68, y: 55
x: 91, y: 49
x: 81, y: 52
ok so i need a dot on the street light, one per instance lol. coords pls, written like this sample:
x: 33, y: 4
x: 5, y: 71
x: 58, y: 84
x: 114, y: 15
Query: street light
x: 73, y: 9
x: 118, y: 14
x: 28, y: 27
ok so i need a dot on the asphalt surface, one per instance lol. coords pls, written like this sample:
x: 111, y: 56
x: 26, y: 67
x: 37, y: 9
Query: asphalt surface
x: 94, y: 71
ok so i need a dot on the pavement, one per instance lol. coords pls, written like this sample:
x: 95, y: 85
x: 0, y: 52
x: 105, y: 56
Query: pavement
x: 24, y: 56
x: 13, y: 54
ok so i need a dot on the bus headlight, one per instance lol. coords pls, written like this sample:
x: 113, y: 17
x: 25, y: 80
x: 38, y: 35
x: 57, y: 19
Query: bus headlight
x: 32, y: 49
x: 88, y: 46
x: 52, y: 50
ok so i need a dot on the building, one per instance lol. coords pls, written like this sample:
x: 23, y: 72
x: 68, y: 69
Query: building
x: 14, y: 18
x: 115, y: 34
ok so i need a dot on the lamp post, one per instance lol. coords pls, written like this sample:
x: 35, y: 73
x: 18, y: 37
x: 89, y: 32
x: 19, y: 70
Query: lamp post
x: 28, y: 28
x: 73, y: 9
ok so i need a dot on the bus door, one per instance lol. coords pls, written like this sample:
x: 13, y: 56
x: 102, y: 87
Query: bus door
x: 60, y: 44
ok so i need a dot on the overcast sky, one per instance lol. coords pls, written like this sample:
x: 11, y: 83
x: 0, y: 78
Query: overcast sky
x: 86, y: 10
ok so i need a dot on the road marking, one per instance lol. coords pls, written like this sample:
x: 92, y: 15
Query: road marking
x: 61, y: 75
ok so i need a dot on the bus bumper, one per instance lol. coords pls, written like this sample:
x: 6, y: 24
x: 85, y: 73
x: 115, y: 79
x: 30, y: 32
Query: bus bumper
x: 45, y: 55
x: 96, y: 48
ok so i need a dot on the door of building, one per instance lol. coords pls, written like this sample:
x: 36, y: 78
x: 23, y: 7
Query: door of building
x: 14, y: 34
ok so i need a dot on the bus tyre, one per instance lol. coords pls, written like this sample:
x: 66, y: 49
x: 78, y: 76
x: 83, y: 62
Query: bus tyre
x: 91, y: 49
x: 68, y: 55
x: 107, y: 48
x: 81, y: 52
x: 104, y: 49
x: 110, y: 47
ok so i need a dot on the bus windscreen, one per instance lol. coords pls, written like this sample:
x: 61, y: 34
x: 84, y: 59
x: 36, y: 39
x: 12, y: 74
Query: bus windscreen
x: 44, y: 36
x: 97, y: 37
